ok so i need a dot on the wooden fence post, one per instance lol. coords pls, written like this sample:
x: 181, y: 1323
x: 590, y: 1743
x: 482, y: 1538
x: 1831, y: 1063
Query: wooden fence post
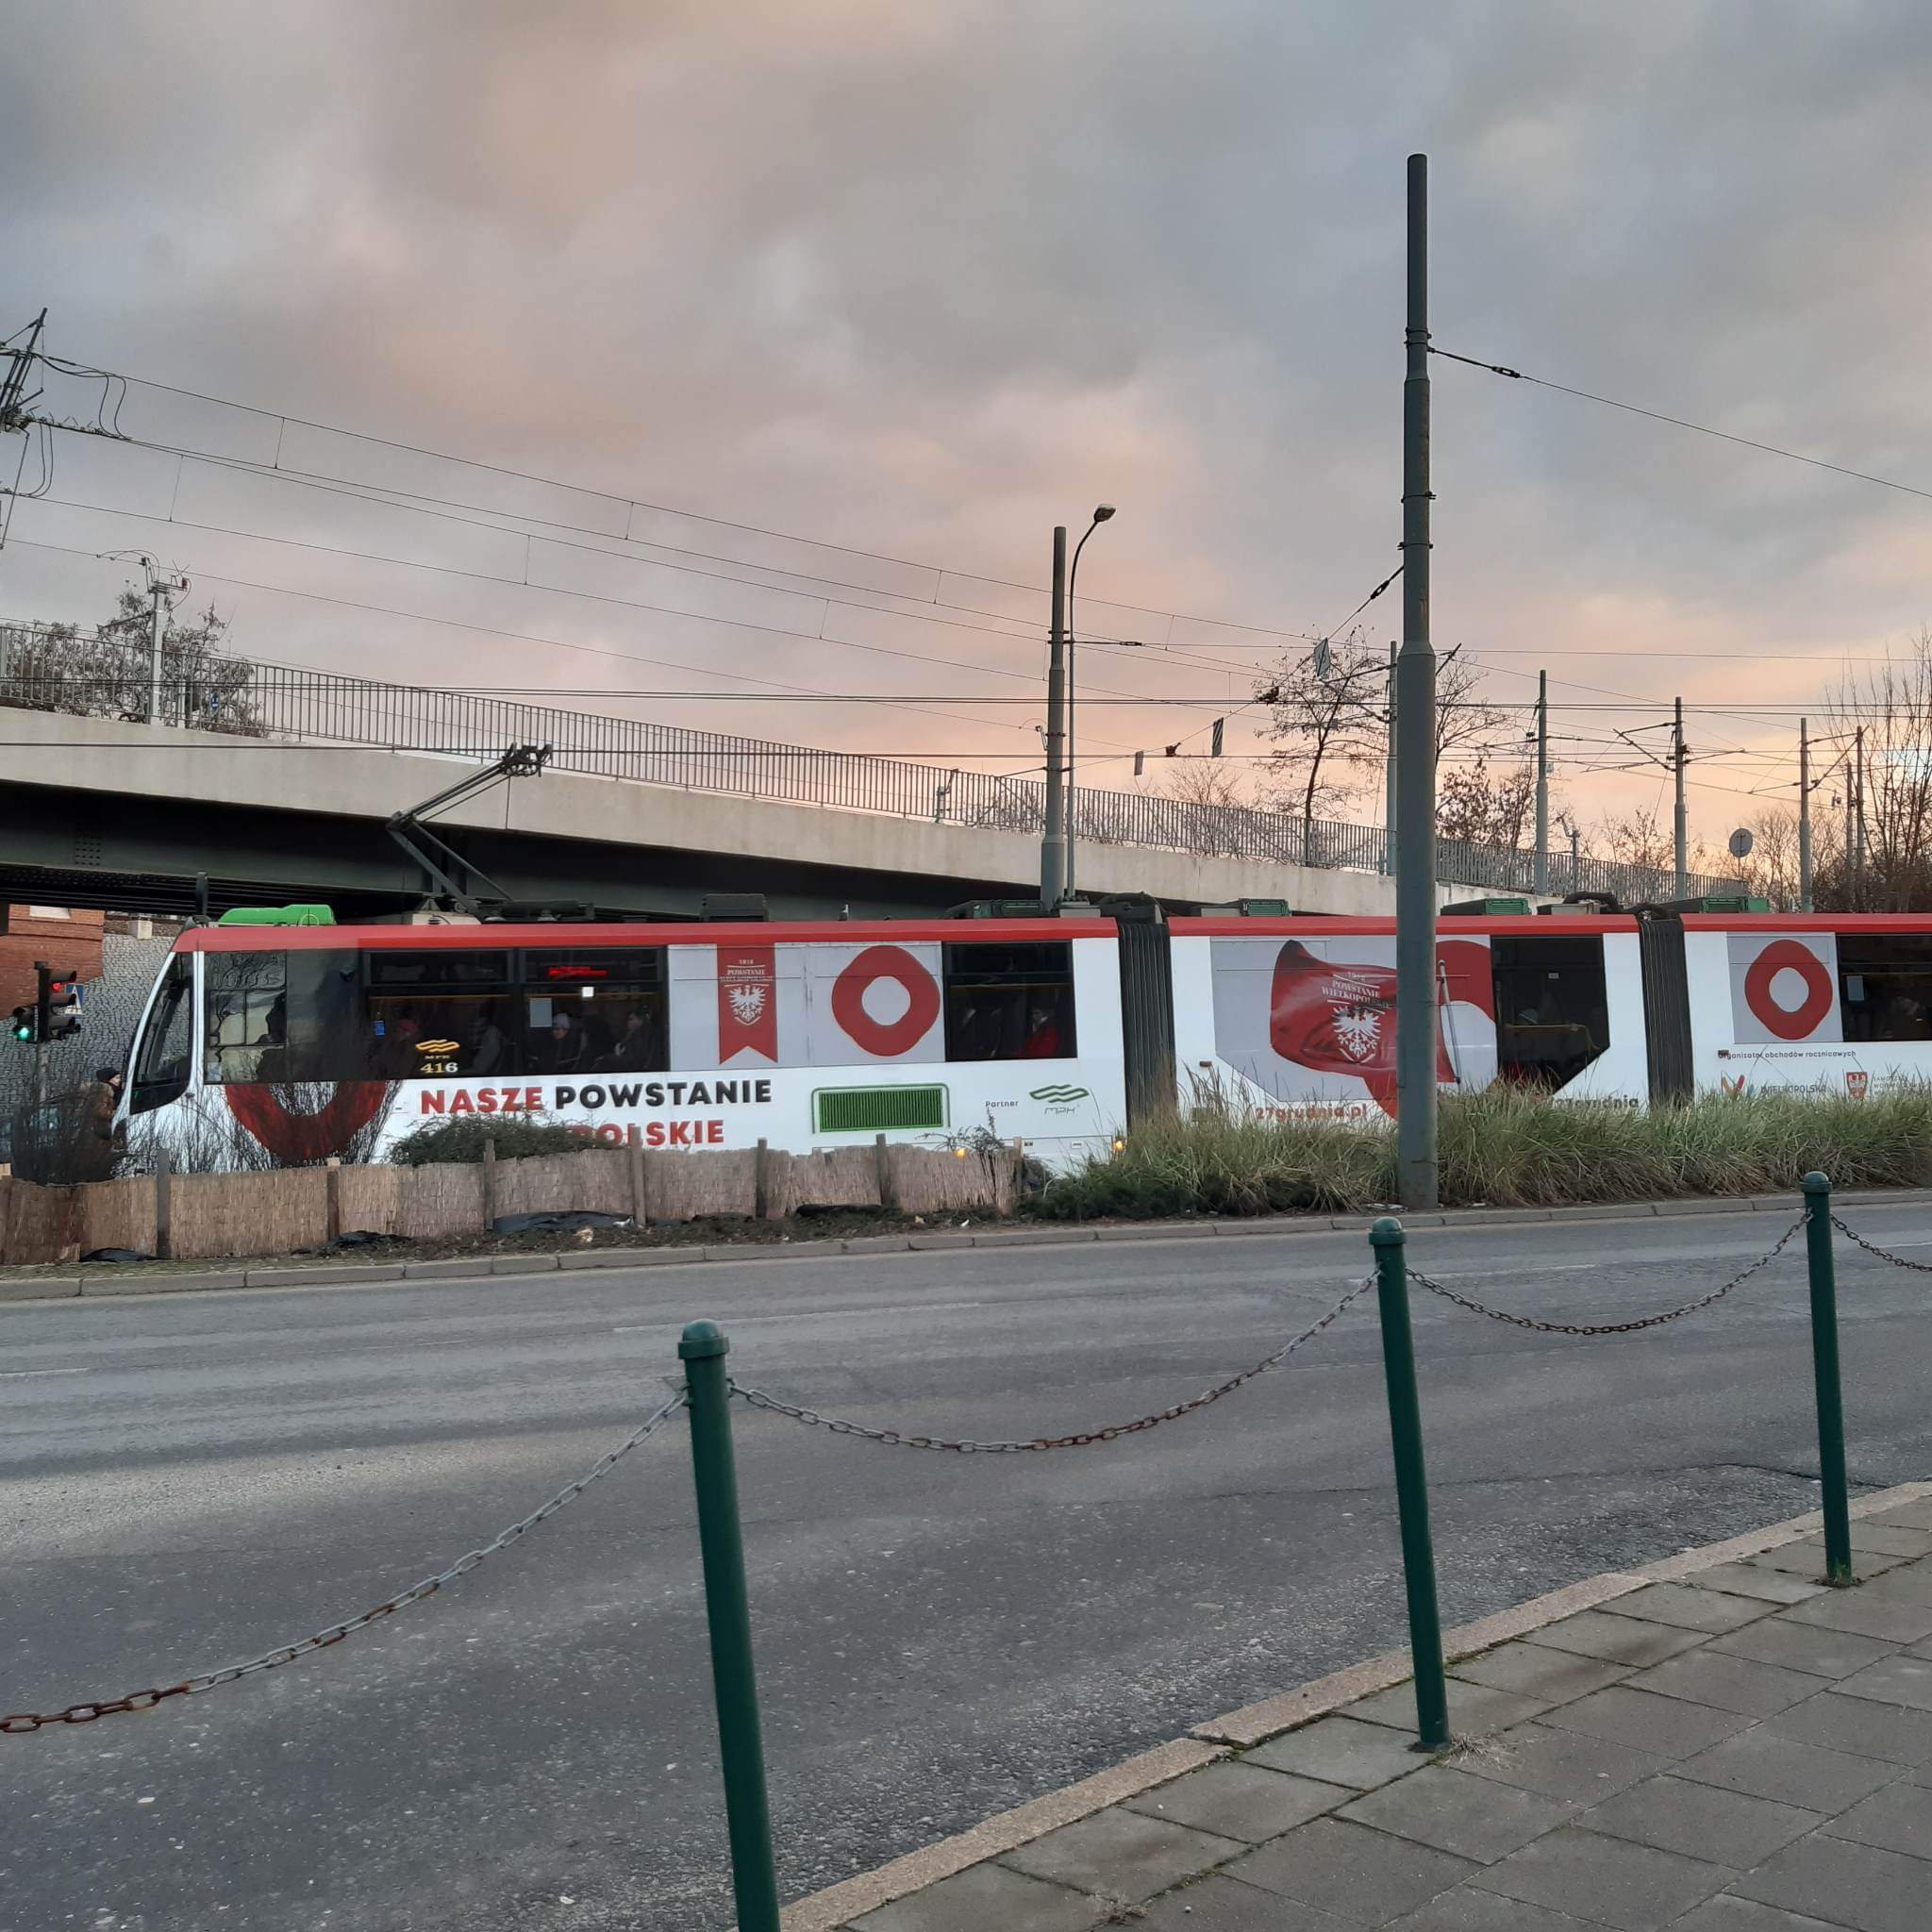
x: 488, y: 1183
x: 639, y: 1192
x: 882, y: 1161
x: 164, y: 1204
x: 761, y: 1183
x: 332, y: 1226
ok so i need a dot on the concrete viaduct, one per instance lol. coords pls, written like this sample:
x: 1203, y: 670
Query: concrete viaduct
x: 101, y: 813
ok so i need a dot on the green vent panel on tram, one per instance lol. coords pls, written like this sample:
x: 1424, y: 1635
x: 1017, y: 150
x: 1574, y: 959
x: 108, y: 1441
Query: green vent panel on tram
x: 876, y: 1109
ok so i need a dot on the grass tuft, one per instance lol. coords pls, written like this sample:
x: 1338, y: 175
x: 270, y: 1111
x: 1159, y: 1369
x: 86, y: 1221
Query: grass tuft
x: 1505, y: 1148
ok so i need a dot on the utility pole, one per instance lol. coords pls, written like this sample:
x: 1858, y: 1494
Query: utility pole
x: 1053, y: 842
x: 1804, y: 815
x: 12, y: 402
x: 1678, y: 756
x: 1415, y: 748
x: 159, y: 587
x: 1388, y: 775
x: 1859, y: 819
x: 1543, y: 783
x: 1575, y: 861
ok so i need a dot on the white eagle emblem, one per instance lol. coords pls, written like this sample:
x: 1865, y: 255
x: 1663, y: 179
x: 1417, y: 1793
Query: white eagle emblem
x: 1359, y: 1031
x: 748, y: 1004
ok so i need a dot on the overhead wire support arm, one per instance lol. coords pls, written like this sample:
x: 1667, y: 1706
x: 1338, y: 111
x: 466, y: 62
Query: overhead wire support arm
x: 443, y: 865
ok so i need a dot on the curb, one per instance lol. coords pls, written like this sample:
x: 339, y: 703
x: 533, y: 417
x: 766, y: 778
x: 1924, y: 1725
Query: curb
x: 482, y: 1266
x: 838, y: 1905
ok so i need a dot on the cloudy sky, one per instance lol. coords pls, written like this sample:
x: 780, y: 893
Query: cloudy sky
x: 827, y: 312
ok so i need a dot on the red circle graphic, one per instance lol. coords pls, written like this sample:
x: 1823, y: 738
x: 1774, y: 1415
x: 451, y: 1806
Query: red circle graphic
x: 1789, y: 1023
x: 885, y: 1040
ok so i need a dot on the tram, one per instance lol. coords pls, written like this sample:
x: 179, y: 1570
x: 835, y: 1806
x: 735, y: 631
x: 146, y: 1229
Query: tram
x: 1060, y: 1032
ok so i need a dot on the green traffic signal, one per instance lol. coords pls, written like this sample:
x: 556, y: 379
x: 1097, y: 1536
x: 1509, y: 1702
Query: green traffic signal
x: 23, y: 1025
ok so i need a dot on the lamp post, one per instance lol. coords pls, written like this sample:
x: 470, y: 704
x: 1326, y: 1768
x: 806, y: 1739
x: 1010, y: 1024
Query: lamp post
x: 1101, y: 513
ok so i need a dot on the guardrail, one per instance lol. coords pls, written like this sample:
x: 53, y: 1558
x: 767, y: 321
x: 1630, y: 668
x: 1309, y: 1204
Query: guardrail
x: 707, y: 1390
x: 52, y: 668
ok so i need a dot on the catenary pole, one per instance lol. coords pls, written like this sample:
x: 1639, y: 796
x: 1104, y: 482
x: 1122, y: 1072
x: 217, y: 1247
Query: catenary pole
x: 1679, y: 830
x: 1804, y: 815
x: 1542, y: 782
x: 1415, y: 751
x: 1389, y: 775
x: 1052, y: 841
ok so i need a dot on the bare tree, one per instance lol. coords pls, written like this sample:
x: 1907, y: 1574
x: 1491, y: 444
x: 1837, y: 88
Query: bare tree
x: 1481, y: 807
x: 1324, y: 717
x: 1219, y: 818
x: 1891, y: 704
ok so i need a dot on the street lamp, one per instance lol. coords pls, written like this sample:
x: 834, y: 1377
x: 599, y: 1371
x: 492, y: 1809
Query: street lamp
x: 1102, y: 512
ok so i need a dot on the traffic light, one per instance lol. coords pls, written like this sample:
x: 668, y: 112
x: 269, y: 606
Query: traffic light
x: 63, y: 1009
x: 54, y: 1013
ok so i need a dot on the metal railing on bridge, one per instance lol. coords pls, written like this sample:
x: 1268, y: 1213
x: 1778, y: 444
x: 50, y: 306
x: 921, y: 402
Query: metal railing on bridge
x: 90, y: 674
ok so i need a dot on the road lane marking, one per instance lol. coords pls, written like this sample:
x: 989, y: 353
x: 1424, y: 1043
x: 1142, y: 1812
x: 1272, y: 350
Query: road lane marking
x: 22, y: 1375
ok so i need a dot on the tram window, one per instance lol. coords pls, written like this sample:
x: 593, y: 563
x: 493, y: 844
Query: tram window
x: 284, y: 1017
x: 1551, y: 1012
x: 599, y: 1011
x: 1885, y: 985
x: 451, y: 1012
x: 1010, y: 1002
x: 167, y: 1045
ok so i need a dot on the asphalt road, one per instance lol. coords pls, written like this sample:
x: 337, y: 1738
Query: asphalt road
x: 193, y: 1478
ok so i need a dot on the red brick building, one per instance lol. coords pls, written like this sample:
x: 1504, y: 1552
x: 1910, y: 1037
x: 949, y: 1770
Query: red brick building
x: 68, y: 939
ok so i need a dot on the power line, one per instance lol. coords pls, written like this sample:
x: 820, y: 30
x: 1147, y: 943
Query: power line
x: 1682, y: 422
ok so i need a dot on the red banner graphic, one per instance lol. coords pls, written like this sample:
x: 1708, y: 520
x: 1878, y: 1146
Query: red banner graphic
x: 1339, y: 1018
x: 747, y: 1003
x: 885, y: 1039
x: 294, y: 1138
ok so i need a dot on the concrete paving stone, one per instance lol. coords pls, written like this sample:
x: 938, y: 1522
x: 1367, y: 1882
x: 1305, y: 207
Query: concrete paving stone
x: 1899, y: 1818
x: 1725, y: 1913
x: 1747, y: 1579
x: 1215, y: 1903
x: 1244, y: 1801
x: 1122, y: 1854
x: 626, y: 1258
x: 1810, y: 1775
x: 985, y: 1895
x: 1910, y: 1515
x: 1634, y: 1888
x: 1465, y: 1909
x: 875, y: 1245
x: 1802, y: 1647
x: 1866, y: 1613
x: 1616, y: 1639
x: 1701, y: 1821
x: 1340, y: 1750
x: 1474, y: 1709
x: 111, y: 1281
x: 1856, y: 1886
x: 1805, y: 1560
x: 1537, y: 1671
x: 1685, y: 1608
x: 1895, y: 1539
x: 1910, y: 1583
x: 1671, y: 1726
x: 1897, y: 1679
x: 1558, y: 1764
x: 1731, y: 1683
x: 1361, y: 1875
x: 445, y: 1270
x: 1866, y: 1561
x: 1858, y: 1726
x: 1473, y: 1817
x: 920, y: 1243
x: 523, y: 1264
x: 1036, y: 1237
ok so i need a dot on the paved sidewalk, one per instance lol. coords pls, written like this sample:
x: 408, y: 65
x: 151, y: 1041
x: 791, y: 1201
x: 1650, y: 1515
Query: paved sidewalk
x: 1740, y: 1751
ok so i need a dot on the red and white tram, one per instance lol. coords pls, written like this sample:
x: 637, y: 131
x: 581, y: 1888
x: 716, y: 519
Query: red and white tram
x: 1060, y: 1032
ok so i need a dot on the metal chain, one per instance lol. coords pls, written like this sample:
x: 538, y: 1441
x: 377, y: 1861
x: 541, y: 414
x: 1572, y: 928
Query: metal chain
x: 21, y: 1723
x: 1541, y: 1327
x: 897, y: 1439
x: 1883, y: 1254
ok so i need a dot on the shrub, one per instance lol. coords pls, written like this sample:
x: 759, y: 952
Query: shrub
x: 463, y: 1140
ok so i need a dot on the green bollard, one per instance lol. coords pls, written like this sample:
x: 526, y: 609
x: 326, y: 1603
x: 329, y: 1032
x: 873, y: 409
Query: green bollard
x: 1411, y: 1486
x: 727, y: 1611
x: 1831, y: 1412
